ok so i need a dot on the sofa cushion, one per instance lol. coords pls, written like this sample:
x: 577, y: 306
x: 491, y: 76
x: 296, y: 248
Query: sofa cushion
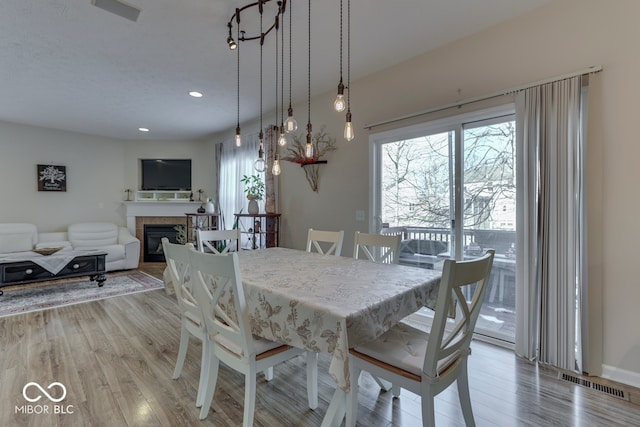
x: 93, y: 234
x: 114, y: 252
x: 17, y: 236
x: 16, y: 242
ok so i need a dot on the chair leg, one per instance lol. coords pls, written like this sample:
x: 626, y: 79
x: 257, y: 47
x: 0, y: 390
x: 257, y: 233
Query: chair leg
x: 312, y: 379
x: 463, y: 395
x: 395, y: 389
x: 428, y: 408
x: 249, y: 398
x: 210, y: 386
x: 182, y: 352
x: 352, y: 397
x: 268, y: 373
x: 204, y: 372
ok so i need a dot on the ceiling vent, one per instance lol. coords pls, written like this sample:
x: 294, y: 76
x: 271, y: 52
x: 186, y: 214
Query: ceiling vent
x: 118, y: 8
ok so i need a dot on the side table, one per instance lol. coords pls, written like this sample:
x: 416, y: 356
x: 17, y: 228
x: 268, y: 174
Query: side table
x: 263, y: 230
x: 200, y: 221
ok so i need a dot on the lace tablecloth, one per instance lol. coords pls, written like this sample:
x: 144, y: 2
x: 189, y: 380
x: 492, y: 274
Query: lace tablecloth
x: 328, y: 304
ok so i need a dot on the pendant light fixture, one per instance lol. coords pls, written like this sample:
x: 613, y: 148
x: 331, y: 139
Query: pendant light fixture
x: 260, y: 164
x: 339, y: 104
x: 348, y: 127
x: 291, y: 125
x: 282, y: 139
x: 275, y: 168
x: 238, y: 137
x: 234, y: 44
x: 309, y: 147
x: 230, y: 41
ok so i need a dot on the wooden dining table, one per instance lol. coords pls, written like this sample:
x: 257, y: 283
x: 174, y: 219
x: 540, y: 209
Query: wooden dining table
x: 328, y: 304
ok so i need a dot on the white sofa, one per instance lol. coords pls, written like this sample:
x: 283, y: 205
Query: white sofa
x: 122, y: 248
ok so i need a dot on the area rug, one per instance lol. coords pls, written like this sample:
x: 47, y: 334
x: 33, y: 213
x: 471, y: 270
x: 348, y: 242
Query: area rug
x: 44, y: 295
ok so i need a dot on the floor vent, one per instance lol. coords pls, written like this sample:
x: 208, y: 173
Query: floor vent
x: 611, y: 391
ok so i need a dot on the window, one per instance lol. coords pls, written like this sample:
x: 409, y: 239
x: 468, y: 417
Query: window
x: 450, y: 186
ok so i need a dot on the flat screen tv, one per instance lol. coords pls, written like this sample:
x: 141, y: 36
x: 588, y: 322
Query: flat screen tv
x: 166, y: 174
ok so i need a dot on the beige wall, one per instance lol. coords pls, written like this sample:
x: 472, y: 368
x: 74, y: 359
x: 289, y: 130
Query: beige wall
x: 565, y: 36
x: 98, y: 171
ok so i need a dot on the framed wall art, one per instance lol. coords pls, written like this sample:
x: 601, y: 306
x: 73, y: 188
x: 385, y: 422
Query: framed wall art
x: 52, y: 178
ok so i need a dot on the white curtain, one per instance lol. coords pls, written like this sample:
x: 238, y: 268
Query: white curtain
x: 550, y: 213
x: 233, y: 163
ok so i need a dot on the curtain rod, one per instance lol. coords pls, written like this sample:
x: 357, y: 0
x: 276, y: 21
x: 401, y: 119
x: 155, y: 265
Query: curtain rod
x: 590, y: 70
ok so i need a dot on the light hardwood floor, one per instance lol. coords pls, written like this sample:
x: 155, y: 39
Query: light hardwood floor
x: 116, y: 357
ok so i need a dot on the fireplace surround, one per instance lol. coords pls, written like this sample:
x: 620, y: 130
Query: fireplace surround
x: 140, y: 213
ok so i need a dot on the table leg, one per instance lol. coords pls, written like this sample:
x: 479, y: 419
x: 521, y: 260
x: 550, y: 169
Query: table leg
x: 312, y: 379
x: 100, y: 278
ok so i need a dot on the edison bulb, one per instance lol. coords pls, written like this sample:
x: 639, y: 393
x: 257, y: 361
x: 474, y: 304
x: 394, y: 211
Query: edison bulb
x: 339, y: 105
x: 282, y: 139
x: 259, y: 165
x: 238, y: 138
x: 275, y: 169
x: 348, y: 127
x: 308, y: 151
x: 291, y: 125
x: 348, y: 131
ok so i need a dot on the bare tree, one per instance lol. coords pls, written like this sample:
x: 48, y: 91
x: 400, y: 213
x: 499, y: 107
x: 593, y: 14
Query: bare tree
x: 417, y: 177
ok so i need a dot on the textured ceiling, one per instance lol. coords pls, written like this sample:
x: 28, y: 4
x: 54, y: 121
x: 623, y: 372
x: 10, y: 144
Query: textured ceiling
x: 66, y: 64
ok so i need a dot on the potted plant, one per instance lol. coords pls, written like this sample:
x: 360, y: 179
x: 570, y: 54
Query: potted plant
x: 254, y: 187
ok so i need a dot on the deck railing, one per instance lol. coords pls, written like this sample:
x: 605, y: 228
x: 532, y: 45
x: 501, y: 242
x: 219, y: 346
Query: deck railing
x: 500, y: 240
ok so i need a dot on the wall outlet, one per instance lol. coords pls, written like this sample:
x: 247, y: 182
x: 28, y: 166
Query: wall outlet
x: 359, y: 215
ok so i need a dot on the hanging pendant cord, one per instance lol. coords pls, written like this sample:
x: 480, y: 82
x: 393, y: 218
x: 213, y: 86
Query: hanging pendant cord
x: 238, y: 73
x: 309, y: 71
x: 290, y: 44
x: 277, y: 29
x: 282, y: 76
x: 261, y: 44
x: 348, y: 55
x: 341, y: 40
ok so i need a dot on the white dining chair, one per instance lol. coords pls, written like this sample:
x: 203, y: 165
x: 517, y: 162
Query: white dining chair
x: 427, y: 363
x: 379, y: 248
x: 325, y: 242
x: 191, y: 323
x: 218, y: 241
x: 220, y: 293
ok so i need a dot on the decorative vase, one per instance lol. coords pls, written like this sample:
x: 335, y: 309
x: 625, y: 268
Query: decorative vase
x: 253, y: 207
x: 208, y: 207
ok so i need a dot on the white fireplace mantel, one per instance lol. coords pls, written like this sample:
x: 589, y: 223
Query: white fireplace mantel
x: 156, y: 208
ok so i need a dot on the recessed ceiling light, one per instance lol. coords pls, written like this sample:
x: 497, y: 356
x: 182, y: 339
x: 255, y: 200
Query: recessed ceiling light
x: 195, y: 94
x: 143, y: 129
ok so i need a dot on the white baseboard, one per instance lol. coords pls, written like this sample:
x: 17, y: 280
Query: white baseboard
x: 621, y: 376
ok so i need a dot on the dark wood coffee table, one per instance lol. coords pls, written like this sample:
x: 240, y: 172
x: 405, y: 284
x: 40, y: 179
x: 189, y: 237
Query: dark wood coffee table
x: 92, y: 264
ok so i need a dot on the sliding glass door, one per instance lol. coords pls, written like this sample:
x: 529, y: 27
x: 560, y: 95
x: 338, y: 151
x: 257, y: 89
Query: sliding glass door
x: 448, y: 187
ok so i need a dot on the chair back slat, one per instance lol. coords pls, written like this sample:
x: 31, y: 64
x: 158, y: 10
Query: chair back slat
x: 177, y: 258
x: 334, y: 238
x: 460, y: 280
x: 379, y: 248
x: 218, y: 241
x: 219, y: 291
